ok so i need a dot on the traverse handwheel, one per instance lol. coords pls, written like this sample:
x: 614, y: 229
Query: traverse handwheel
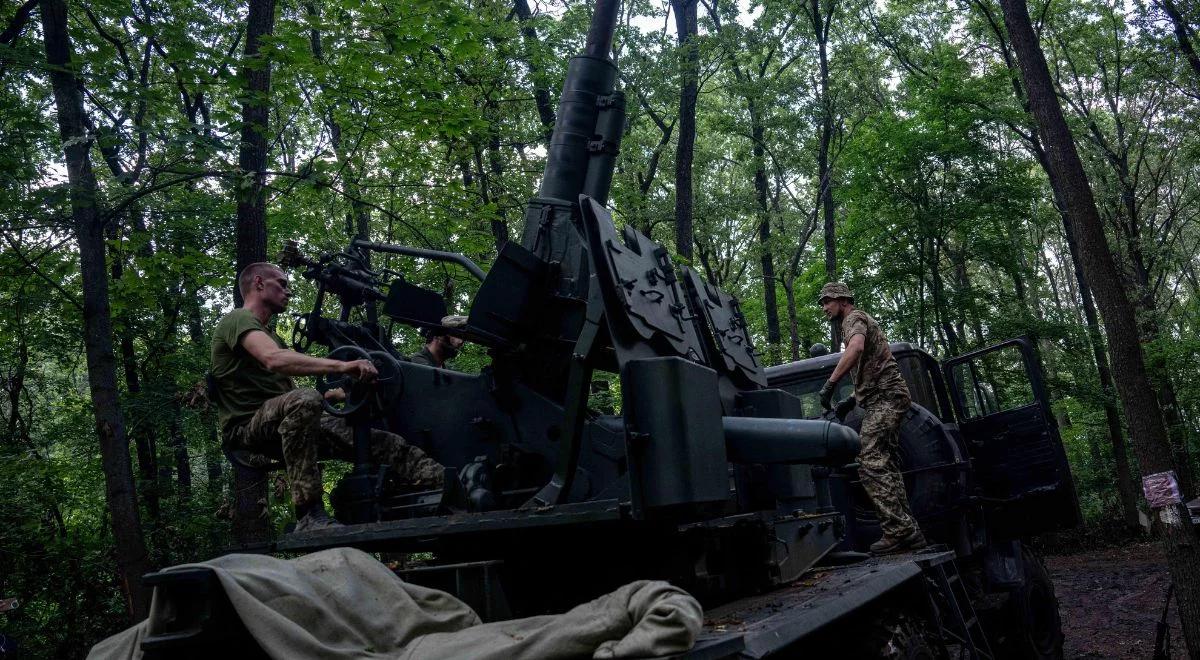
x: 390, y: 381
x: 357, y: 392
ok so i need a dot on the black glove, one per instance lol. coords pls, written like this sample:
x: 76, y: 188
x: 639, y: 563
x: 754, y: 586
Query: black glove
x: 827, y: 394
x: 845, y: 406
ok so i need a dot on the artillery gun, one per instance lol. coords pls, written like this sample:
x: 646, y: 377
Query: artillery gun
x: 712, y: 474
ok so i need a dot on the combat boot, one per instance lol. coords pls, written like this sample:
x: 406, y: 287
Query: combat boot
x: 315, y: 519
x: 889, y: 544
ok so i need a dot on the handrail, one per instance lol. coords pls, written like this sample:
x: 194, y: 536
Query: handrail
x: 436, y: 255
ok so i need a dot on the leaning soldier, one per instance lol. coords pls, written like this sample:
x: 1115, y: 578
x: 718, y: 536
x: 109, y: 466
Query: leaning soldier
x: 880, y: 390
x: 262, y: 410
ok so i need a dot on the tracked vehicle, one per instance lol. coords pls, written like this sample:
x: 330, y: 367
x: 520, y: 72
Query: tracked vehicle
x: 715, y: 473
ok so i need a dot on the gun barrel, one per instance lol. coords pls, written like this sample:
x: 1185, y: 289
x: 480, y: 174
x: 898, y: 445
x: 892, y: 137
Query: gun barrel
x: 763, y: 440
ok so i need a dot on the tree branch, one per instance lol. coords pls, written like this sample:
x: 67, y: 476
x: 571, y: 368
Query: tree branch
x: 17, y: 24
x: 31, y: 265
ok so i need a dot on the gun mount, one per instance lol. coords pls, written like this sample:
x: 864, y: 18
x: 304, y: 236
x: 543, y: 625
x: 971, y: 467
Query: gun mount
x: 694, y: 413
x: 575, y: 297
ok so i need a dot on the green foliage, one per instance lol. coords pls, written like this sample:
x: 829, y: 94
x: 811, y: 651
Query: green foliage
x: 419, y: 117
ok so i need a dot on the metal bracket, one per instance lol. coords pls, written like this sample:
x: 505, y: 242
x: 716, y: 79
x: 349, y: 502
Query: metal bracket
x: 579, y: 383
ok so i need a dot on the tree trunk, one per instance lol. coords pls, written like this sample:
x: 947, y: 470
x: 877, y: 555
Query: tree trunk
x: 214, y: 462
x: 940, y: 304
x: 964, y: 285
x: 922, y: 315
x: 789, y: 291
x: 642, y: 221
x: 130, y: 551
x: 1052, y: 277
x: 1126, y: 488
x: 820, y: 25
x: 1148, y: 315
x: 537, y: 75
x: 145, y: 439
x: 14, y: 382
x: 183, y: 462
x: 685, y: 25
x: 250, y: 487
x: 1179, y: 538
x: 767, y: 258
x: 1183, y: 34
x: 499, y: 223
x: 1177, y: 431
x: 252, y: 155
x: 1151, y: 332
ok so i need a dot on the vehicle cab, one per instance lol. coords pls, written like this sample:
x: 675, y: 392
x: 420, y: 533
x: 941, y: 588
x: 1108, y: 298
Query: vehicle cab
x: 921, y: 372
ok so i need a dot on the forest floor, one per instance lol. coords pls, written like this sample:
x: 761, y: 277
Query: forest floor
x: 1111, y: 600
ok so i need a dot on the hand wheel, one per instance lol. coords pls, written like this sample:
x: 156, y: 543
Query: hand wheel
x: 357, y: 392
x: 301, y: 339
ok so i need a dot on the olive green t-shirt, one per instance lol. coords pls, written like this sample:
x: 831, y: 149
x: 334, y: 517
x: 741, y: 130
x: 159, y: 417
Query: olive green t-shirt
x: 243, y: 384
x: 422, y: 357
x: 876, y: 372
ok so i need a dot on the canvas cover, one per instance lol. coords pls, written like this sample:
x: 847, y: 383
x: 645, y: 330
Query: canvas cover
x: 342, y: 603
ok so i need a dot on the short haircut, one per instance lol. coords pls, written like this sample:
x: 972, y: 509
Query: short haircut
x: 246, y: 278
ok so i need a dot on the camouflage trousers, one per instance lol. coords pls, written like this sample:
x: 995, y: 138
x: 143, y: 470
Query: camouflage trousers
x: 294, y: 426
x: 877, y: 468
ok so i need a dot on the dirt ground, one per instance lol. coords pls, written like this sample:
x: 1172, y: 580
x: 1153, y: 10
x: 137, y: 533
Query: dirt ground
x: 1111, y: 600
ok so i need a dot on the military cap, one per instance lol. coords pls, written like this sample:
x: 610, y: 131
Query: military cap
x: 454, y: 321
x: 835, y: 290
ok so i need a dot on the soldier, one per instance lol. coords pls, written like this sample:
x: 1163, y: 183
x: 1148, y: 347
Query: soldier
x: 440, y: 347
x: 880, y: 390
x: 263, y: 411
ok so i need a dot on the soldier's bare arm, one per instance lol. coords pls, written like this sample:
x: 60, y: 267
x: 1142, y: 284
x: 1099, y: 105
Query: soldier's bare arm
x: 854, y: 350
x: 291, y: 363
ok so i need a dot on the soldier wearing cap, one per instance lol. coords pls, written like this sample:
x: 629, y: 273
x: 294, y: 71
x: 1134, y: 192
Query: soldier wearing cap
x: 880, y: 390
x: 440, y: 347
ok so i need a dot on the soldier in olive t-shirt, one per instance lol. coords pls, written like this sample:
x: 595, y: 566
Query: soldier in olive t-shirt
x: 262, y: 411
x: 243, y: 382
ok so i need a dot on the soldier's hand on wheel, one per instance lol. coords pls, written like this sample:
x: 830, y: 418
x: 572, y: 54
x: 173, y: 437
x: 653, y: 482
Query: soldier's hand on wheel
x: 361, y: 370
x: 335, y: 394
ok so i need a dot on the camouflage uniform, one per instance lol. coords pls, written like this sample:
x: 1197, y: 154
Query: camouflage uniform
x: 881, y: 391
x: 295, y: 426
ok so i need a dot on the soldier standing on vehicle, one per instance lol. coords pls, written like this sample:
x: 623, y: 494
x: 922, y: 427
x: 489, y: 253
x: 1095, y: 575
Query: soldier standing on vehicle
x: 880, y: 390
x: 262, y: 410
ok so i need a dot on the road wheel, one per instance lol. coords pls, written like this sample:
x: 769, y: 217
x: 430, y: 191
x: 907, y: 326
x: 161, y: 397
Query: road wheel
x: 1034, y: 628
